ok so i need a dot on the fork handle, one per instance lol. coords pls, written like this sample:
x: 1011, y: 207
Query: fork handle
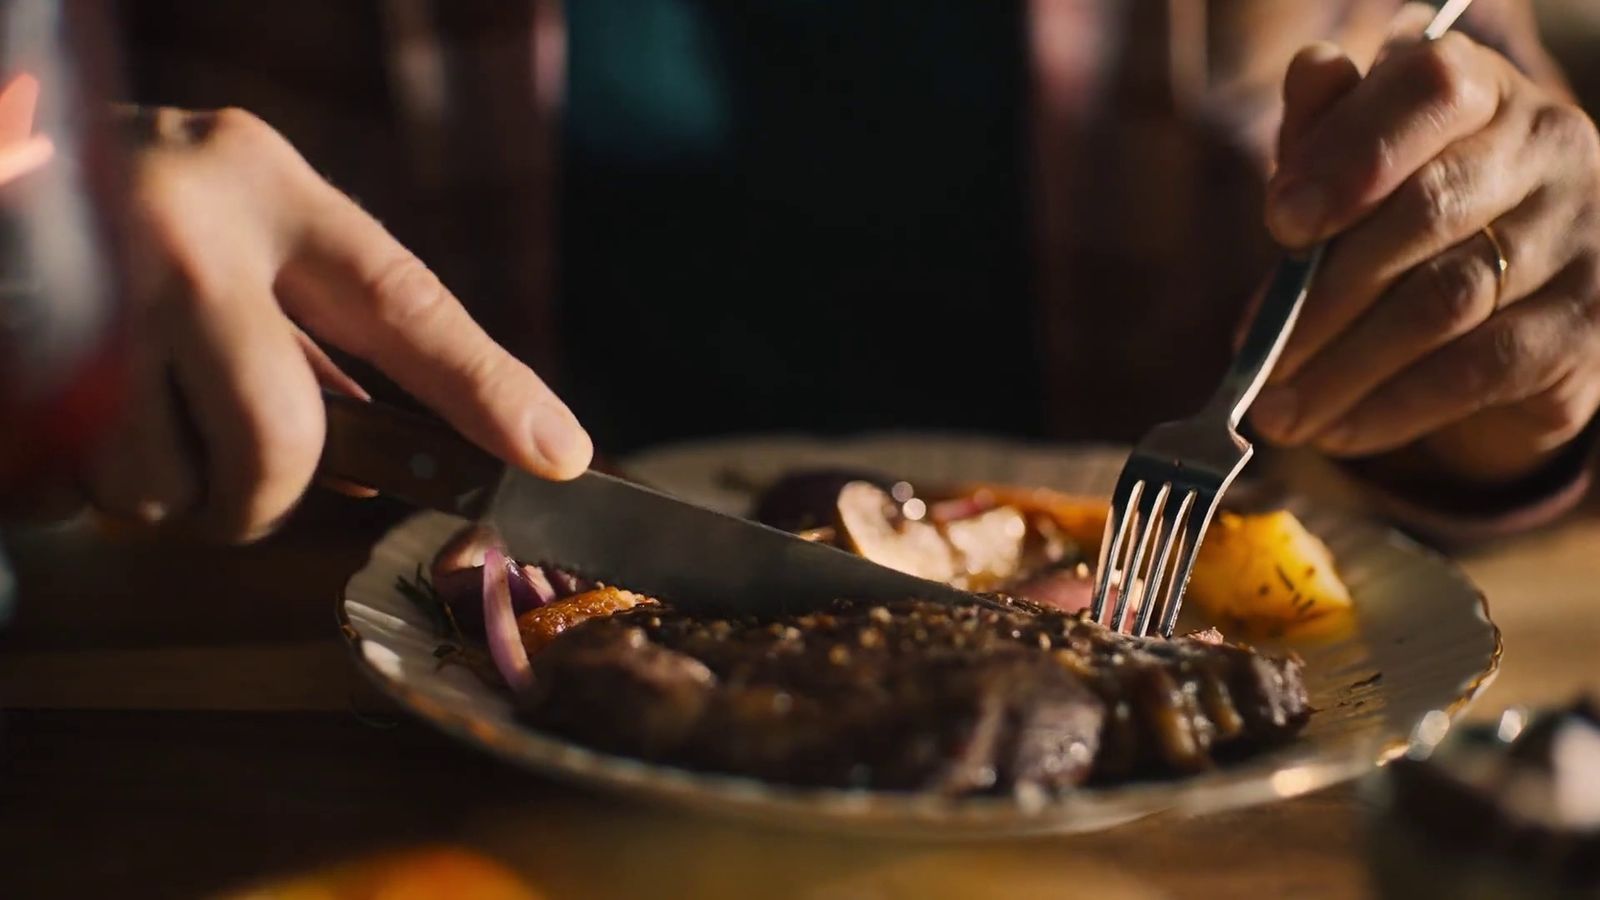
x: 1269, y: 331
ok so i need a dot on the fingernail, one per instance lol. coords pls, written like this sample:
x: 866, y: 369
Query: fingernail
x: 564, y: 445
x: 1274, y: 412
x: 1297, y: 213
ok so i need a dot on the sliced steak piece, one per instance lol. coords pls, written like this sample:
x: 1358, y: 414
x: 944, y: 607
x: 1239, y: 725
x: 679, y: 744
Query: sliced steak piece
x: 1172, y: 703
x: 912, y: 696
x: 616, y: 691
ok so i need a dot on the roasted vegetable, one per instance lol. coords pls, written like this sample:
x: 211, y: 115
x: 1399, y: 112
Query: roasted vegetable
x: 1266, y: 575
x: 540, y: 626
x: 871, y: 524
x: 1258, y: 574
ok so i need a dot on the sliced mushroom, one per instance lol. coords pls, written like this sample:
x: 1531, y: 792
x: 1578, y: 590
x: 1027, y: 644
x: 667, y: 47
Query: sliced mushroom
x: 989, y: 546
x: 870, y: 524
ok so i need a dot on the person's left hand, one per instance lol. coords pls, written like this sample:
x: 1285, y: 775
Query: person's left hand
x: 1410, y: 338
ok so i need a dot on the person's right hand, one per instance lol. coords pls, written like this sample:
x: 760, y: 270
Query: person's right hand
x: 243, y: 258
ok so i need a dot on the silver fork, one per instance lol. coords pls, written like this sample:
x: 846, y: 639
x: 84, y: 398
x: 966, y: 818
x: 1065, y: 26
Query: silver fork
x: 1172, y: 482
x: 1169, y: 488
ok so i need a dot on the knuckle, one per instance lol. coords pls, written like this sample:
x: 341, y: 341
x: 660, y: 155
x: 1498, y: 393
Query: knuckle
x: 239, y: 124
x: 1587, y: 274
x: 1440, y: 192
x: 1580, y: 282
x: 1508, y: 353
x: 1368, y: 168
x: 1588, y: 138
x: 1558, y: 415
x: 1451, y: 300
x: 1565, y: 126
x: 1485, y: 371
x: 258, y: 155
x: 164, y: 128
x: 406, y: 294
x: 177, y: 129
x: 1438, y: 71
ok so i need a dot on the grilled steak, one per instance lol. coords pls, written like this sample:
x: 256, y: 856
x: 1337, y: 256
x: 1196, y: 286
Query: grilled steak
x: 912, y: 696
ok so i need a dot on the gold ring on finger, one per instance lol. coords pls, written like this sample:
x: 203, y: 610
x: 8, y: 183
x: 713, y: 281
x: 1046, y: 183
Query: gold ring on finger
x: 1502, y: 264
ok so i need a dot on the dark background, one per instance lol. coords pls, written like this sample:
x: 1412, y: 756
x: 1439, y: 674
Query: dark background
x: 772, y: 218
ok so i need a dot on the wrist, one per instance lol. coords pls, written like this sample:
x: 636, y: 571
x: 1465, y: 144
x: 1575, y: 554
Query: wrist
x: 1484, y: 465
x: 1477, y: 484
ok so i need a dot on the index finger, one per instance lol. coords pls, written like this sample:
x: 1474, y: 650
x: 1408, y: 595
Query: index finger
x: 349, y: 281
x: 1415, y: 103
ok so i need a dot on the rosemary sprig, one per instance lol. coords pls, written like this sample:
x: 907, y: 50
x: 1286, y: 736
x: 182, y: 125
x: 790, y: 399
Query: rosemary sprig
x: 419, y: 590
x: 453, y: 647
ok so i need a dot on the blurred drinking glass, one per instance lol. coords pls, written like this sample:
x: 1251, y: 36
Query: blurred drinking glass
x: 60, y: 289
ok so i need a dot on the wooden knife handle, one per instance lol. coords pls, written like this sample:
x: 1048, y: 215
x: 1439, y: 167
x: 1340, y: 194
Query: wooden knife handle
x: 409, y: 457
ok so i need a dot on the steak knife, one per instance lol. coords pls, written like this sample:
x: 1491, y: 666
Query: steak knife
x: 603, y: 527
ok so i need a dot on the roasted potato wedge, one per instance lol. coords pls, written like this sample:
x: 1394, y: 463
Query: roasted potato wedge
x: 1266, y: 575
x: 1258, y: 574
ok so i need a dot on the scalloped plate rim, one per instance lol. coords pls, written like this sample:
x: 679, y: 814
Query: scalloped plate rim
x: 886, y: 813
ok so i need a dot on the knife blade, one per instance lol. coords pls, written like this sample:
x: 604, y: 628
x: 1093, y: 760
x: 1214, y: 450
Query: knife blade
x: 604, y: 527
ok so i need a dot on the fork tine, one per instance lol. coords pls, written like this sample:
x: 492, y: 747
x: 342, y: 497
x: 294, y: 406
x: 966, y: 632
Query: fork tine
x: 1163, y: 598
x: 1147, y: 526
x: 1122, y: 503
x: 1205, y: 504
x: 1155, y: 590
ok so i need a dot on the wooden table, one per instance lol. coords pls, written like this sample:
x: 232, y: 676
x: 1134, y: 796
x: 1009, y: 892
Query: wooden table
x: 181, y: 721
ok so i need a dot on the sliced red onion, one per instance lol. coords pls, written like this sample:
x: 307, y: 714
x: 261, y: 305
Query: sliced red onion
x: 463, y: 590
x: 500, y: 623
x: 524, y: 595
x: 539, y: 583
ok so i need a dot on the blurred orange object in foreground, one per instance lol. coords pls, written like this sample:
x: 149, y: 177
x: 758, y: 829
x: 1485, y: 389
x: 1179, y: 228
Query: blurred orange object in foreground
x: 21, y: 151
x: 431, y: 873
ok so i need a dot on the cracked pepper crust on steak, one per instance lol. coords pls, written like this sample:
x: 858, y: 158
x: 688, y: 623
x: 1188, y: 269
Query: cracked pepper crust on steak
x: 910, y: 696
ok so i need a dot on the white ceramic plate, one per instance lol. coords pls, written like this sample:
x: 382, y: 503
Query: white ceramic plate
x: 1425, y: 643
